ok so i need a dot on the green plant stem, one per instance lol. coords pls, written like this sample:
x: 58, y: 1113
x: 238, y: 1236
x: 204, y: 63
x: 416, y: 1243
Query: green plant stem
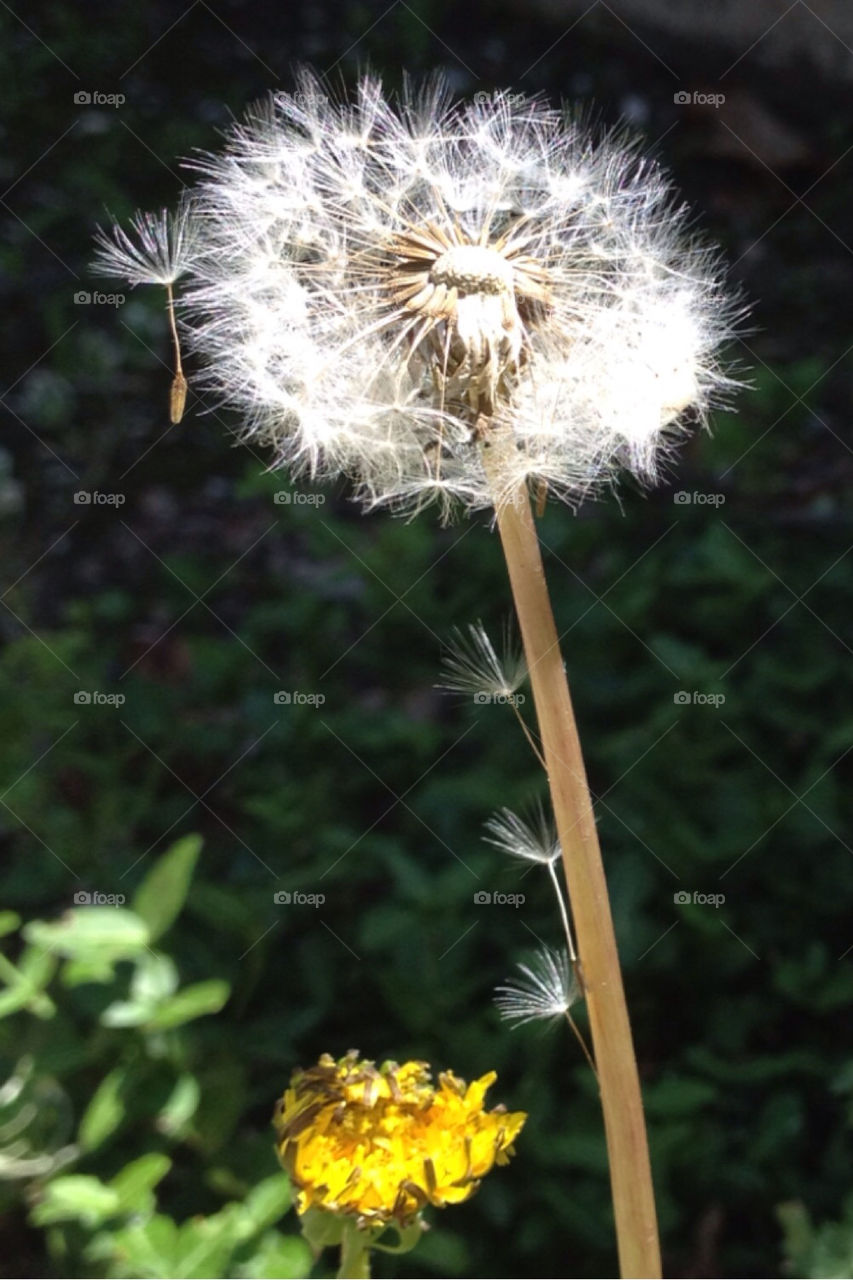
x: 355, y: 1253
x: 621, y: 1100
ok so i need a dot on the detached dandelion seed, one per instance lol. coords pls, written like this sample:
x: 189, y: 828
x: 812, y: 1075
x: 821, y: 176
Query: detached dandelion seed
x: 531, y: 840
x: 160, y: 251
x: 473, y: 665
x: 546, y: 990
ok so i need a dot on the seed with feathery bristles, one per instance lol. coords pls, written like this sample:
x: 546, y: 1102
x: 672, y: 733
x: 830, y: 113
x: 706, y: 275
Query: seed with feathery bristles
x: 159, y: 250
x: 472, y: 664
x: 532, y: 840
x: 547, y: 989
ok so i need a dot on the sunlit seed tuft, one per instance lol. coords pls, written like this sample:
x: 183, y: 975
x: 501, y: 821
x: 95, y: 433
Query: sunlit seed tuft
x: 546, y: 990
x: 159, y: 249
x: 532, y: 840
x: 472, y: 664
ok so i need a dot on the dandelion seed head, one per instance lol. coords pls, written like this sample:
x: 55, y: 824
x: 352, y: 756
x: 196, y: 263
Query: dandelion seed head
x: 547, y: 989
x: 385, y: 288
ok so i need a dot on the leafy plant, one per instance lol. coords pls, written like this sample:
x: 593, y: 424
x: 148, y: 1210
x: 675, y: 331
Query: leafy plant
x: 98, y: 1020
x: 822, y: 1252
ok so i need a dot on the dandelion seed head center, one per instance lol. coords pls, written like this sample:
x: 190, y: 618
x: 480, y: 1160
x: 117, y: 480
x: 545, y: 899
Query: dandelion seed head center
x: 472, y: 268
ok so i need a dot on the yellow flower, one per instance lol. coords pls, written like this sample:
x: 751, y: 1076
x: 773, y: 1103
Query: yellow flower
x: 380, y: 1144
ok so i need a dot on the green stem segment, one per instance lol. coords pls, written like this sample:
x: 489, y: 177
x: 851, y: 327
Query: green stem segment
x: 355, y: 1253
x: 621, y: 1100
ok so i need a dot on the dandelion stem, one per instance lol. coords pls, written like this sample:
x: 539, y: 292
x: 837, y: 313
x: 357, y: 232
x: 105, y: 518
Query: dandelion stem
x: 624, y: 1123
x: 355, y: 1253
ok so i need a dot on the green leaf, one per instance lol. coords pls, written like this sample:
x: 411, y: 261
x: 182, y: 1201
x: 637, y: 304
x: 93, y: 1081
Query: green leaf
x: 144, y: 1249
x: 180, y: 1106
x: 193, y: 1002
x: 9, y: 922
x: 205, y: 1244
x: 268, y: 1201
x: 322, y: 1230
x: 26, y: 983
x: 162, y: 894
x: 125, y: 1013
x: 137, y: 1179
x: 76, y: 1197
x: 155, y: 977
x: 90, y: 968
x: 105, y: 1112
x: 278, y: 1257
x: 99, y: 933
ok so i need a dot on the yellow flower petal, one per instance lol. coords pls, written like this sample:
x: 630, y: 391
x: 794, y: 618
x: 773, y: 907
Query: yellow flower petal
x: 380, y: 1144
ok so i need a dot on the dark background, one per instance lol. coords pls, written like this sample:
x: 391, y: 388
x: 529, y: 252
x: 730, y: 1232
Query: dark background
x: 200, y: 597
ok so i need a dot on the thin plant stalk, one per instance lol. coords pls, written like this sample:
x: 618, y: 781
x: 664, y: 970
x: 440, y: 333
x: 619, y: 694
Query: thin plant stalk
x: 355, y: 1253
x: 599, y: 969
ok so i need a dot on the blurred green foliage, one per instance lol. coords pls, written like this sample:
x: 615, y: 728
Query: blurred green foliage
x: 143, y: 1046
x: 817, y: 1252
x: 105, y: 1068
